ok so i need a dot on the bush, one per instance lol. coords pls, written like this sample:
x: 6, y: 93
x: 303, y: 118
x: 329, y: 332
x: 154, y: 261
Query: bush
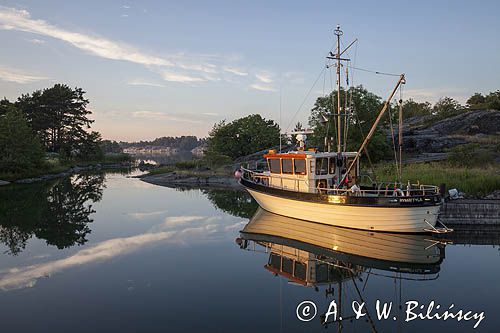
x: 20, y: 150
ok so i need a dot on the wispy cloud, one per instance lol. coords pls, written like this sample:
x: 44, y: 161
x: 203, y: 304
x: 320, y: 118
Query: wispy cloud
x: 264, y: 82
x: 14, y: 19
x: 433, y: 95
x: 124, y: 15
x: 145, y: 215
x: 180, y: 67
x: 263, y: 87
x: 27, y: 276
x: 140, y: 82
x: 265, y: 77
x: 182, y: 78
x: 163, y: 116
x: 36, y: 41
x: 235, y: 71
x: 18, y: 76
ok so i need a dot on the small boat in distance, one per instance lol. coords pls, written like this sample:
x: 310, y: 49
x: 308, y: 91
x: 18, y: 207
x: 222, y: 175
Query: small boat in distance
x: 325, y: 187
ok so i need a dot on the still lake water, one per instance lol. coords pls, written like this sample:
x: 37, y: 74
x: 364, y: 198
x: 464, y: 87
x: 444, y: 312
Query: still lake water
x: 107, y: 253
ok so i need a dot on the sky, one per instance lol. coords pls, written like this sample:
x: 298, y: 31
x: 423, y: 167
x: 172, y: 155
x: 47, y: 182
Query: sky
x: 171, y: 68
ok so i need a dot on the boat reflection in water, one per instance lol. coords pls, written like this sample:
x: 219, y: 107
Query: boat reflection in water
x: 313, y: 254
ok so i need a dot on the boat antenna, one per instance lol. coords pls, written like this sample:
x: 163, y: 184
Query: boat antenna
x: 338, y: 57
x: 338, y: 33
x: 280, y: 118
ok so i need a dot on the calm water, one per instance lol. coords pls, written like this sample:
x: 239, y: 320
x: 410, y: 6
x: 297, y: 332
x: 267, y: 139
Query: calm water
x: 107, y: 253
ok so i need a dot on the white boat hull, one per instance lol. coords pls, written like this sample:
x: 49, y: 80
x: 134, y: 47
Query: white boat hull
x: 412, y: 219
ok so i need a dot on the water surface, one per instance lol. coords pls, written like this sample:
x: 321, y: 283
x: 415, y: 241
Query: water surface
x: 107, y: 253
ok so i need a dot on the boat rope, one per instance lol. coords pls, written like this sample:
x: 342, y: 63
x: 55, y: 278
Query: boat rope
x: 400, y: 133
x: 305, y: 98
x: 372, y: 71
x: 394, y: 144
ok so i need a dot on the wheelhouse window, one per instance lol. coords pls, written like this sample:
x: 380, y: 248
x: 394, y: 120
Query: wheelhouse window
x: 287, y: 165
x: 322, y: 166
x: 332, y: 165
x: 274, y: 165
x: 299, y: 166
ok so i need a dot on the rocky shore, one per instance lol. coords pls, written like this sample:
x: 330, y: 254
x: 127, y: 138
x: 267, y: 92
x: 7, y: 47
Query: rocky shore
x: 70, y: 171
x: 176, y: 179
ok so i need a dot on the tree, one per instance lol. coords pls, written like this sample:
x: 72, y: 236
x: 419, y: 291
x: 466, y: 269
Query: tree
x: 6, y: 106
x: 243, y: 136
x: 58, y: 115
x: 364, y: 109
x: 493, y: 100
x: 413, y: 109
x: 446, y: 107
x: 476, y: 101
x: 109, y: 146
x: 20, y: 150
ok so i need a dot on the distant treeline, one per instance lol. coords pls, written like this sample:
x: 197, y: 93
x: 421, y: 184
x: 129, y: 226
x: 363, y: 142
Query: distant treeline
x: 185, y: 143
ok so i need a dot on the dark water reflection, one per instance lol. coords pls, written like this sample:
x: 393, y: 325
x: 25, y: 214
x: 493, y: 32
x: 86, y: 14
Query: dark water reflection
x: 58, y: 211
x: 107, y: 253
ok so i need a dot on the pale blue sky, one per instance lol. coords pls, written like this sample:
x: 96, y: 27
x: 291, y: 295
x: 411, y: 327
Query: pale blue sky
x: 160, y: 68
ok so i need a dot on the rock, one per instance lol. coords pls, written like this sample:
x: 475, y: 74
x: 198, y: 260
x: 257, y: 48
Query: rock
x: 4, y: 182
x: 28, y: 180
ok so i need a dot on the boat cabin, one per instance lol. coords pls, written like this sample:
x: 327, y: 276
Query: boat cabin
x: 309, y: 171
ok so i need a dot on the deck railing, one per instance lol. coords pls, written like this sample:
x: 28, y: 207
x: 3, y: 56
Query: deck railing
x: 389, y: 189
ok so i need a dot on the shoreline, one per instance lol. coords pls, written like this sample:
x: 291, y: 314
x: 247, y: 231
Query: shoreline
x: 176, y: 179
x: 70, y: 171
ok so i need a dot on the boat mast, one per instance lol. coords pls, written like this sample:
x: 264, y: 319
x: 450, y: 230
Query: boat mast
x: 338, y: 33
x: 337, y: 56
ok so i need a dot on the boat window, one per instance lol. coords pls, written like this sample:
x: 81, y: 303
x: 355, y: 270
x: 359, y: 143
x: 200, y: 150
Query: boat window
x: 287, y: 165
x: 322, y: 166
x: 300, y: 270
x: 300, y: 166
x: 322, y: 273
x: 354, y: 170
x: 333, y: 161
x: 274, y: 165
x: 275, y: 261
x: 287, y: 266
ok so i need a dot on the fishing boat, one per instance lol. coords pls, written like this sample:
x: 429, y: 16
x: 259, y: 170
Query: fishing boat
x: 325, y: 186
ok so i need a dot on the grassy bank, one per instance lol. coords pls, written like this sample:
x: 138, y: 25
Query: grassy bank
x: 53, y: 165
x: 474, y: 181
x: 196, y: 168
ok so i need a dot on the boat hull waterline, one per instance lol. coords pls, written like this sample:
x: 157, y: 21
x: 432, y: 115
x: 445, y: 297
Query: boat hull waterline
x: 408, y: 219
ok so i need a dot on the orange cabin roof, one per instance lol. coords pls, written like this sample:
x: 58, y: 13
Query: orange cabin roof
x: 296, y: 156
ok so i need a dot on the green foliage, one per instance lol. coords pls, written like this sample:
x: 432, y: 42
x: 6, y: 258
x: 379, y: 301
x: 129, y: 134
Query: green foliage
x: 242, y: 136
x: 365, y: 108
x: 490, y: 101
x: 20, y: 150
x: 109, y: 146
x: 475, y: 181
x: 184, y: 143
x: 234, y: 202
x: 58, y: 115
x: 413, y: 109
x: 57, y: 211
x: 469, y: 155
x: 446, y: 107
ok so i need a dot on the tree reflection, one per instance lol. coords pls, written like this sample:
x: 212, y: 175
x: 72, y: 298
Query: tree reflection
x: 234, y: 202
x: 57, y: 211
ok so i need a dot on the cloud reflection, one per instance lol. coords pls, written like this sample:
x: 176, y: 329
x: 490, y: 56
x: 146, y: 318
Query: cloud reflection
x: 198, y: 228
